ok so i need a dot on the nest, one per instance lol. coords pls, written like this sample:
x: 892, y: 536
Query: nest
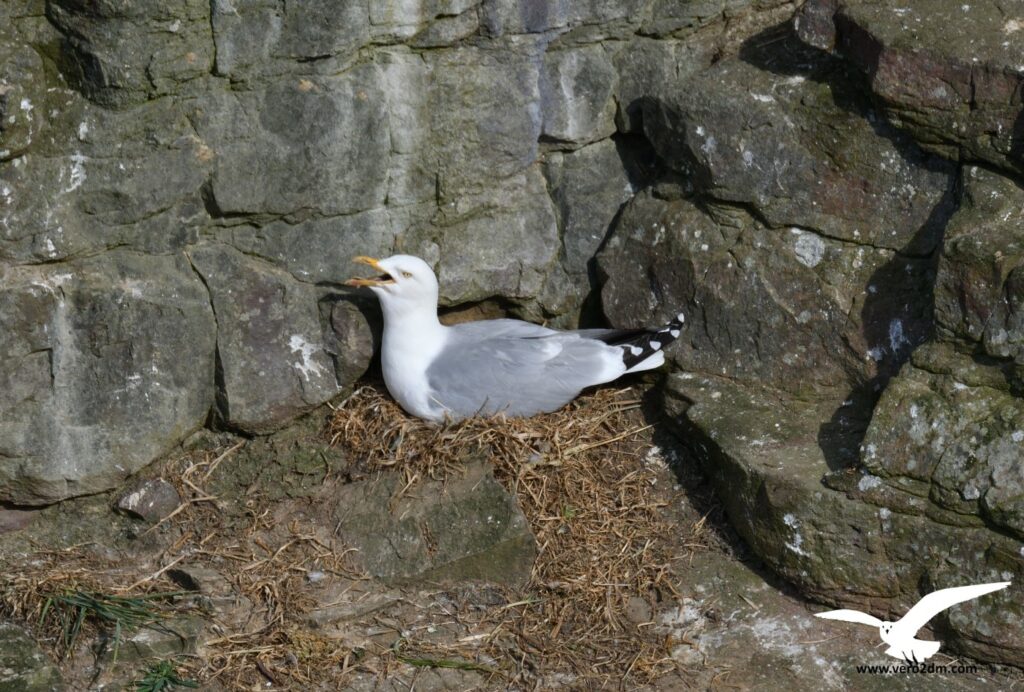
x: 584, y: 479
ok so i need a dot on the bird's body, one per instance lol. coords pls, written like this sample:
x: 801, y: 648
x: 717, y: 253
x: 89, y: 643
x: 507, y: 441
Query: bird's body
x: 900, y: 635
x: 439, y: 372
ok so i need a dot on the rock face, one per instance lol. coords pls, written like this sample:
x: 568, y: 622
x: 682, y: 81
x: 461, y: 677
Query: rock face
x: 182, y: 186
x: 948, y: 73
x: 463, y: 528
x: 831, y: 193
x: 108, y: 362
x: 853, y: 368
x: 23, y: 665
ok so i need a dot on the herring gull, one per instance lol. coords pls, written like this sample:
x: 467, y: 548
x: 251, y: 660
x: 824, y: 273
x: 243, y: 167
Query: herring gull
x: 438, y: 372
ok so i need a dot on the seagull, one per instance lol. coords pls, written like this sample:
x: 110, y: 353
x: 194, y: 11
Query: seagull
x: 899, y: 635
x: 503, y: 366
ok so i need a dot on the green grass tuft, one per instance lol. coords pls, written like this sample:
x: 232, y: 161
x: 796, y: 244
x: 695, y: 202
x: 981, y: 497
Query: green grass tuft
x: 74, y: 608
x: 163, y: 676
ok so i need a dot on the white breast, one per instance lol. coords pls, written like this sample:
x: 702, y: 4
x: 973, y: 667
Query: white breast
x: 406, y: 353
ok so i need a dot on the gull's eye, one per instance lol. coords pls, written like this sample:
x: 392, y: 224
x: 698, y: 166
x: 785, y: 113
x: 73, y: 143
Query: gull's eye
x: 407, y: 275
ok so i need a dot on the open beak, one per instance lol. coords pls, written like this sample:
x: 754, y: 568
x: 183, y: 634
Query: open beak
x: 383, y: 280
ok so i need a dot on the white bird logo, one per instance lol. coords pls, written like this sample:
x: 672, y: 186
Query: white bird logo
x: 899, y: 635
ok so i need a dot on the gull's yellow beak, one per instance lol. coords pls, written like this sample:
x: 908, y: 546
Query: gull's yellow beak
x: 382, y: 280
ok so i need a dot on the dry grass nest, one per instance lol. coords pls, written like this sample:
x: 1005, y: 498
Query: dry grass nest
x: 587, y: 478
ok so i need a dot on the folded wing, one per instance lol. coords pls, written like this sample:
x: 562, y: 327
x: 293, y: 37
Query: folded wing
x: 517, y: 375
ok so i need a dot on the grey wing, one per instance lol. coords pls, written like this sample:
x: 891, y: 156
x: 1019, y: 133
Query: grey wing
x: 489, y: 329
x: 937, y: 601
x: 518, y: 376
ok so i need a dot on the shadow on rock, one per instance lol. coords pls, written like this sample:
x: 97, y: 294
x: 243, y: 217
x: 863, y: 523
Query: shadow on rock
x: 898, y: 300
x: 699, y: 492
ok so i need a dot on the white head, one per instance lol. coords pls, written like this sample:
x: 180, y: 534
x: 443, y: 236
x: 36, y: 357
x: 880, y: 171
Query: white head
x: 406, y: 285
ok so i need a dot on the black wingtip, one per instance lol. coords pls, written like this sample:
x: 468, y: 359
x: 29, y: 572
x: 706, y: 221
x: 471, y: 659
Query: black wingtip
x: 646, y: 345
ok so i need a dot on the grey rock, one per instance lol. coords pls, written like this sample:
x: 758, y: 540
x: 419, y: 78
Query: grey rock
x: 648, y: 68
x: 148, y: 197
x: 354, y: 338
x: 173, y: 637
x: 671, y: 17
x: 979, y: 292
x: 273, y: 364
x: 761, y: 451
x: 782, y: 307
x: 288, y: 147
x: 501, y: 17
x: 16, y: 519
x: 244, y: 35
x: 465, y: 528
x: 576, y: 94
x: 318, y: 250
x: 23, y: 665
x: 150, y: 500
x: 343, y: 600
x: 122, y: 54
x: 780, y: 143
x: 950, y: 431
x: 448, y: 30
x: 960, y: 95
x: 107, y: 363
x: 204, y: 580
x: 586, y: 207
x: 587, y: 204
x: 499, y: 242
x: 485, y: 121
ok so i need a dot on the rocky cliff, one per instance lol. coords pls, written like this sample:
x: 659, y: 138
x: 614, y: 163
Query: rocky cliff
x: 831, y: 192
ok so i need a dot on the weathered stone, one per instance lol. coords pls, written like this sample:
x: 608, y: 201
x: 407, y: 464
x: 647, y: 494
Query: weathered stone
x: 107, y: 363
x: 501, y: 242
x: 23, y: 665
x: 463, y: 528
x: 647, y: 69
x: 16, y: 519
x: 485, y: 121
x: 354, y: 339
x: 120, y: 54
x: 947, y: 72
x: 271, y: 350
x: 148, y: 197
x: 576, y: 94
x: 250, y: 35
x: 586, y: 206
x: 502, y: 17
x: 783, y: 145
x: 165, y: 640
x: 448, y: 29
x: 979, y: 293
x: 150, y: 500
x: 289, y: 147
x: 788, y: 308
x: 204, y: 580
x: 318, y: 250
x: 950, y: 431
x: 344, y: 600
x: 761, y: 451
x: 672, y: 17
x: 22, y: 95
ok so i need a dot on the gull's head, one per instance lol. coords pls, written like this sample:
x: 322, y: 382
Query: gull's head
x: 404, y: 284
